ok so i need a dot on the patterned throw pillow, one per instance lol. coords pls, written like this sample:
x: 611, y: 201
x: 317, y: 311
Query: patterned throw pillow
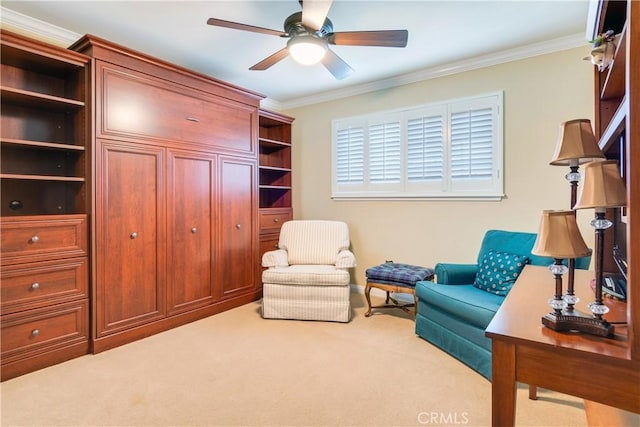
x: 498, y: 271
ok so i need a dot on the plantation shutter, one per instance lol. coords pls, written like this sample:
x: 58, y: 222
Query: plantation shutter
x: 472, y: 144
x: 350, y: 155
x: 425, y: 149
x: 384, y: 153
x: 450, y: 149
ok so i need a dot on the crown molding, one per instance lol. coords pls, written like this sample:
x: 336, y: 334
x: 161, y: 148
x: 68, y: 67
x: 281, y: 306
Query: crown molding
x: 44, y: 31
x: 515, y: 54
x: 36, y: 28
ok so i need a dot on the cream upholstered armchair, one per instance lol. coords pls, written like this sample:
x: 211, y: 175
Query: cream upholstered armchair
x: 307, y: 277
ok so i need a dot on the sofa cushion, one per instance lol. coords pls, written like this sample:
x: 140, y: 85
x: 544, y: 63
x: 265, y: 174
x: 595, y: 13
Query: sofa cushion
x: 465, y: 302
x: 498, y: 271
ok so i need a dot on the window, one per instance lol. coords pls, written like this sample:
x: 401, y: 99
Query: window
x: 444, y: 150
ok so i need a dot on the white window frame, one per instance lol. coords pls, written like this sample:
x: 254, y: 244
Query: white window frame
x: 485, y: 178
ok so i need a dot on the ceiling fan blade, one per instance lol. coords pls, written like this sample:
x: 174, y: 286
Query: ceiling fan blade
x: 245, y: 27
x: 336, y: 65
x: 385, y: 38
x: 271, y: 60
x: 314, y: 12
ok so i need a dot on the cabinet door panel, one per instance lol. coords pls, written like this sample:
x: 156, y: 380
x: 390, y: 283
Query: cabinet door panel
x: 165, y: 110
x: 189, y: 248
x: 237, y: 225
x: 130, y: 236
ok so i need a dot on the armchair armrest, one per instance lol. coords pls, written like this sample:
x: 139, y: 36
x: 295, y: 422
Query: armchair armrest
x: 345, y: 259
x: 277, y: 258
x: 456, y: 274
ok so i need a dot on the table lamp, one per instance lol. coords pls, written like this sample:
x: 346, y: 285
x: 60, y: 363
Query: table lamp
x: 576, y: 145
x: 603, y: 188
x: 559, y: 238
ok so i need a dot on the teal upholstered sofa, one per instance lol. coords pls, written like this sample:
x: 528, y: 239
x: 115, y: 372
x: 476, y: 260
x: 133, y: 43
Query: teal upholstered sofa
x: 453, y: 313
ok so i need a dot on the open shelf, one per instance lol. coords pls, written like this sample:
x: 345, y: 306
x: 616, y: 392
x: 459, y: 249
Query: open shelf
x: 274, y: 160
x: 44, y: 128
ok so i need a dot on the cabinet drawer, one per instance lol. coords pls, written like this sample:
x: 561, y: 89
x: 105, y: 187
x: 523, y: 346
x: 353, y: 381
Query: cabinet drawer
x: 33, y: 285
x: 42, y: 237
x: 138, y: 105
x: 31, y: 331
x: 272, y: 219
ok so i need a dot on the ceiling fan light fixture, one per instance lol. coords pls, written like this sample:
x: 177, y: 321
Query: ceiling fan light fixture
x: 307, y: 49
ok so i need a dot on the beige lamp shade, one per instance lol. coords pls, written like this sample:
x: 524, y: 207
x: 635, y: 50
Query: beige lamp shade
x: 603, y: 186
x: 576, y: 142
x: 559, y: 236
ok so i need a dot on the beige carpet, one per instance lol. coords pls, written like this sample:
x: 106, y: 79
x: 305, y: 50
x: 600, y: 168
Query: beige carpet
x: 236, y: 368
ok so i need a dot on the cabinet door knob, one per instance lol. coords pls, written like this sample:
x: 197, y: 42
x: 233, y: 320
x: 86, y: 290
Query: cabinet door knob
x: 35, y: 286
x: 34, y: 239
x: 194, y: 230
x: 35, y: 332
x: 238, y: 226
x: 276, y: 220
x: 134, y: 235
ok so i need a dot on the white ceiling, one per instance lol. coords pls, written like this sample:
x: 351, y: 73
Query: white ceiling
x: 441, y: 34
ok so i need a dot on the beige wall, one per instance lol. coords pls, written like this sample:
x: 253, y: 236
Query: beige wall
x: 539, y: 93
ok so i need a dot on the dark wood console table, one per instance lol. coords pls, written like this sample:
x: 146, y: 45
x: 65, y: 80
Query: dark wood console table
x: 593, y: 368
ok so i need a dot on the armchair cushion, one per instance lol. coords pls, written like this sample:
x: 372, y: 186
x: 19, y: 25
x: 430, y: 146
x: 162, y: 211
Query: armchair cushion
x: 498, y: 271
x: 313, y: 241
x: 305, y: 274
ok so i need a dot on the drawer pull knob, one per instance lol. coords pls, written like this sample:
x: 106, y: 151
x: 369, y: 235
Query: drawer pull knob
x: 35, y: 286
x: 193, y: 119
x: 276, y: 220
x: 35, y: 332
x: 238, y: 226
x: 134, y: 235
x: 35, y: 239
x: 194, y: 230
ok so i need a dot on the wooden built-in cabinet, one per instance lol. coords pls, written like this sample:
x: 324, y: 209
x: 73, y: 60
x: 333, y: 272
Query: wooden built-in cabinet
x: 275, y: 185
x: 617, y: 125
x: 176, y: 195
x: 136, y: 197
x: 44, y: 173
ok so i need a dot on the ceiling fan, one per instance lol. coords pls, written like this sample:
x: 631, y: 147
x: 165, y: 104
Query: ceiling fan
x: 310, y: 32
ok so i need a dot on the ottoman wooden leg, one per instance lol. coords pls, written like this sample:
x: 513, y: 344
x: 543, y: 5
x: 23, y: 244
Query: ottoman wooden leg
x: 367, y: 291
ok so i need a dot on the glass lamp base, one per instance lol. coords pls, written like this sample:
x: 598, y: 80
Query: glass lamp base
x: 578, y: 322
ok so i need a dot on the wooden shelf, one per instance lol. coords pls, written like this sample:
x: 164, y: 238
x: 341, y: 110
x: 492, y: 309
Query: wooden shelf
x: 273, y: 143
x: 275, y: 169
x: 37, y: 100
x: 615, y: 126
x: 614, y: 85
x: 42, y: 177
x: 275, y: 187
x: 42, y: 144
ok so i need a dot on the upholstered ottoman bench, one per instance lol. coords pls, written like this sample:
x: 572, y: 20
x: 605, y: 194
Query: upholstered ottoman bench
x: 394, y: 277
